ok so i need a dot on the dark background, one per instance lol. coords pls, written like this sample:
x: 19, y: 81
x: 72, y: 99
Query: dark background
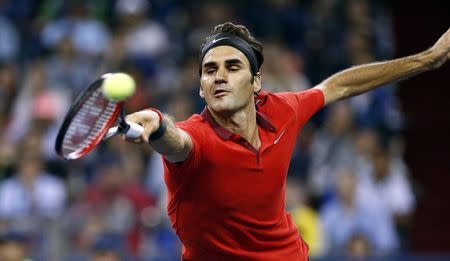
x: 425, y: 100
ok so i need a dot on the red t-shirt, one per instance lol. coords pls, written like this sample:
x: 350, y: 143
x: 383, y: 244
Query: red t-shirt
x: 226, y: 200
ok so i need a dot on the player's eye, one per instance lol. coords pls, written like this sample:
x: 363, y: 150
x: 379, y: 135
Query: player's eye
x: 210, y: 70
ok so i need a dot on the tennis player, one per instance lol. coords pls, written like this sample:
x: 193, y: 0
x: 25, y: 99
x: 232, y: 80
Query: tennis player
x: 226, y: 168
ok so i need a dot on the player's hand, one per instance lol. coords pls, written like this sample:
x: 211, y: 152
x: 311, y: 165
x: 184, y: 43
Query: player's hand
x: 441, y: 50
x: 147, y: 119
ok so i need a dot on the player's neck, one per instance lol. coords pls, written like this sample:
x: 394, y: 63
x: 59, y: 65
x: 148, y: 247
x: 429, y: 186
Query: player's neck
x: 242, y: 122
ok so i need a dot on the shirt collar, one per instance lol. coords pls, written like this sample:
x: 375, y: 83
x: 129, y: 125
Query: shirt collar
x: 225, y: 134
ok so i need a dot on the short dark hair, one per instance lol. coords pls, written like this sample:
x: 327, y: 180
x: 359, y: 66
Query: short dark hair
x: 240, y: 31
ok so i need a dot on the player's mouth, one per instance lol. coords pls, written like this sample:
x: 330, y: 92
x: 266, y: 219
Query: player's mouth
x: 220, y: 93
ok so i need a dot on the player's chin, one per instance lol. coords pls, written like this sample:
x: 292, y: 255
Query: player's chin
x: 221, y: 107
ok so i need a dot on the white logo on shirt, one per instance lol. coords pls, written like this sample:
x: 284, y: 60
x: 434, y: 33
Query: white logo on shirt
x: 279, y: 137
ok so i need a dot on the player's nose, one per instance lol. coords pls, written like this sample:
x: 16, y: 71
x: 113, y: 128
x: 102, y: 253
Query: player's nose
x: 221, y: 76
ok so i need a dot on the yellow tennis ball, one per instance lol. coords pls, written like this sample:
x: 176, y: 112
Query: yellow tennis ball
x: 118, y: 86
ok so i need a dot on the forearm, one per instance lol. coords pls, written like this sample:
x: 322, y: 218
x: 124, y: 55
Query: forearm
x: 175, y: 144
x: 170, y: 141
x: 363, y: 78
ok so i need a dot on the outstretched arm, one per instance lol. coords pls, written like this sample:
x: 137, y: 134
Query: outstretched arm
x: 363, y: 78
x: 175, y: 144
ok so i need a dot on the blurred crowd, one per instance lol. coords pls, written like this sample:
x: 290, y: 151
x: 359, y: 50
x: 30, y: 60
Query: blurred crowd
x: 348, y: 188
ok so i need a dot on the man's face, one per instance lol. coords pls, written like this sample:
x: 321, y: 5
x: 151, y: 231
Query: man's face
x: 226, y: 81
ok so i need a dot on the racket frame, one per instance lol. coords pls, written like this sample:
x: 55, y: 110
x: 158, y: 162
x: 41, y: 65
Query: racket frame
x: 72, y: 112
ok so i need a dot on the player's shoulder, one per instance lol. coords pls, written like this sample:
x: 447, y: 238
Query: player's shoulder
x: 301, y: 94
x: 194, y: 123
x: 284, y: 96
x: 269, y: 98
x: 291, y: 98
x: 277, y: 100
x: 193, y: 119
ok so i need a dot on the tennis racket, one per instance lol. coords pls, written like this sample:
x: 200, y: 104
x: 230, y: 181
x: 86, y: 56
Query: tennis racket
x: 90, y: 119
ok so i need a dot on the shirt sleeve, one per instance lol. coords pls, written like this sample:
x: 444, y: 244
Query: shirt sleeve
x: 304, y: 103
x: 194, y: 156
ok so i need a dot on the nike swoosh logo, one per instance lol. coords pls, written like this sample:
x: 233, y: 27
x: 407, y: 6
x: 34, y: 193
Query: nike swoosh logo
x: 218, y: 39
x: 279, y: 137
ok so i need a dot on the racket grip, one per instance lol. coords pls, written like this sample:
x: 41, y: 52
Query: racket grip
x: 111, y: 132
x: 134, y: 131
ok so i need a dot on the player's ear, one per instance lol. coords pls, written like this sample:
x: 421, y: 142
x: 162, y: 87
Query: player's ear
x: 200, y: 92
x: 257, y: 83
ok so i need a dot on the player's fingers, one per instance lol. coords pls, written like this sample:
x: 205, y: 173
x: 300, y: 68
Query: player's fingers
x: 138, y: 140
x: 135, y: 117
x: 144, y: 139
x: 141, y: 139
x: 147, y: 119
x: 144, y: 117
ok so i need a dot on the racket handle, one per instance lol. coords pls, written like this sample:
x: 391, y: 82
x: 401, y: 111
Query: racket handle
x: 111, y: 132
x: 134, y: 130
x: 130, y: 129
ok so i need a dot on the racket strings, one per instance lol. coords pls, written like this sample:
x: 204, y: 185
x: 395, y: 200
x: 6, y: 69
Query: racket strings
x: 88, y: 124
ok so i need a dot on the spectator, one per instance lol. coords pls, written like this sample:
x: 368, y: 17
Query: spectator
x: 331, y: 148
x: 117, y: 198
x: 35, y: 101
x: 390, y: 182
x: 359, y: 247
x: 108, y: 247
x: 14, y: 246
x: 9, y: 40
x: 284, y: 70
x: 305, y: 217
x: 352, y: 212
x: 89, y: 36
x: 9, y: 87
x: 145, y: 39
x: 67, y: 72
x: 31, y: 192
